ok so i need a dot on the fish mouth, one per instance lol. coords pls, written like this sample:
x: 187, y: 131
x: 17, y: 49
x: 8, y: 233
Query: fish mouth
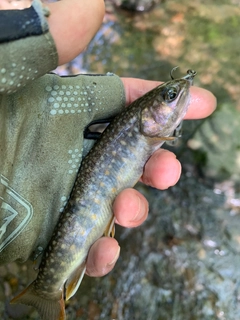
x: 190, y: 76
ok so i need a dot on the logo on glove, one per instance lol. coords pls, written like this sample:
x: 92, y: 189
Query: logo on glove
x: 15, y: 213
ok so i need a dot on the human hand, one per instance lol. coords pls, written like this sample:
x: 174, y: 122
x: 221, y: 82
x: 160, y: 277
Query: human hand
x: 163, y: 169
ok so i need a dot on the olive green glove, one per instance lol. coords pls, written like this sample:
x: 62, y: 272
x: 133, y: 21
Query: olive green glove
x: 41, y: 136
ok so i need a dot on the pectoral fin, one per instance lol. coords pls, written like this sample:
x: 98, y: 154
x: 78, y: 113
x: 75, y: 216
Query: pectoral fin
x: 75, y: 280
x: 169, y: 138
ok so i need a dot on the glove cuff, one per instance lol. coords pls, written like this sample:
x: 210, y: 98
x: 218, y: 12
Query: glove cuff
x: 27, y: 48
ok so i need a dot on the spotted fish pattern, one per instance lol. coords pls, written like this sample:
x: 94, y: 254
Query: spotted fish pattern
x: 114, y: 163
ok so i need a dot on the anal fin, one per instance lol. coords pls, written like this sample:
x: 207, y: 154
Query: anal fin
x: 75, y: 280
x: 110, y: 229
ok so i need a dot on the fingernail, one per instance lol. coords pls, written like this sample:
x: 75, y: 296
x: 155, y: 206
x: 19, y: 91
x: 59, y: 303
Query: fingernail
x: 115, y: 258
x: 141, y: 212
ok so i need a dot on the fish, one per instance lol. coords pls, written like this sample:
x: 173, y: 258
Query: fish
x: 114, y: 163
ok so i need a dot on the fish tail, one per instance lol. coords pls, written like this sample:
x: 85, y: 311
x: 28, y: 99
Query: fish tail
x: 48, y: 309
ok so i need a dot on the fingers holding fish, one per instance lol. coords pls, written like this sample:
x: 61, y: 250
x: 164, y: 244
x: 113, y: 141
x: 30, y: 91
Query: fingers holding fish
x: 131, y: 210
x: 102, y: 257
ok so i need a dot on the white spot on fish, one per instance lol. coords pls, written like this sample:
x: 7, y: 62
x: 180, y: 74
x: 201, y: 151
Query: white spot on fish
x: 123, y: 143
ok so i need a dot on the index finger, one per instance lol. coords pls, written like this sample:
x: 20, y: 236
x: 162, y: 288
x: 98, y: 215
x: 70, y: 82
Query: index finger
x: 202, y: 102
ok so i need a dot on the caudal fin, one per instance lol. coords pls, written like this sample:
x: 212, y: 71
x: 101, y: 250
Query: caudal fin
x: 48, y: 309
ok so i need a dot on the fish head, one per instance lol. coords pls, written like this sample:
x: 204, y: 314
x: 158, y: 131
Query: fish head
x: 167, y: 107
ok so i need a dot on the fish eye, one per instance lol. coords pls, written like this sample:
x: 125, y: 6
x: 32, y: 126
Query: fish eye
x: 170, y: 94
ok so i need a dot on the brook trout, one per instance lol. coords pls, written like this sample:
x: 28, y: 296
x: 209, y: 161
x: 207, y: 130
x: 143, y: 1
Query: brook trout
x: 114, y: 163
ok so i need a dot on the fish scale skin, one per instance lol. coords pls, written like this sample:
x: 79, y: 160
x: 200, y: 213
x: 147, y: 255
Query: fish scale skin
x: 90, y: 206
x: 114, y: 163
x: 108, y: 168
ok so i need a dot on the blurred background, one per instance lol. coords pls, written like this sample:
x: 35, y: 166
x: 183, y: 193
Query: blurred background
x: 183, y: 263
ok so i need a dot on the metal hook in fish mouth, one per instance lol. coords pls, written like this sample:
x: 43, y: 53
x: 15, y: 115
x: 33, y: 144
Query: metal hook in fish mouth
x: 171, y: 72
x: 190, y: 75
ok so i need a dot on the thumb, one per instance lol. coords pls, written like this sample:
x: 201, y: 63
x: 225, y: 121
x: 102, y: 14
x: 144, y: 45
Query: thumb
x: 73, y: 24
